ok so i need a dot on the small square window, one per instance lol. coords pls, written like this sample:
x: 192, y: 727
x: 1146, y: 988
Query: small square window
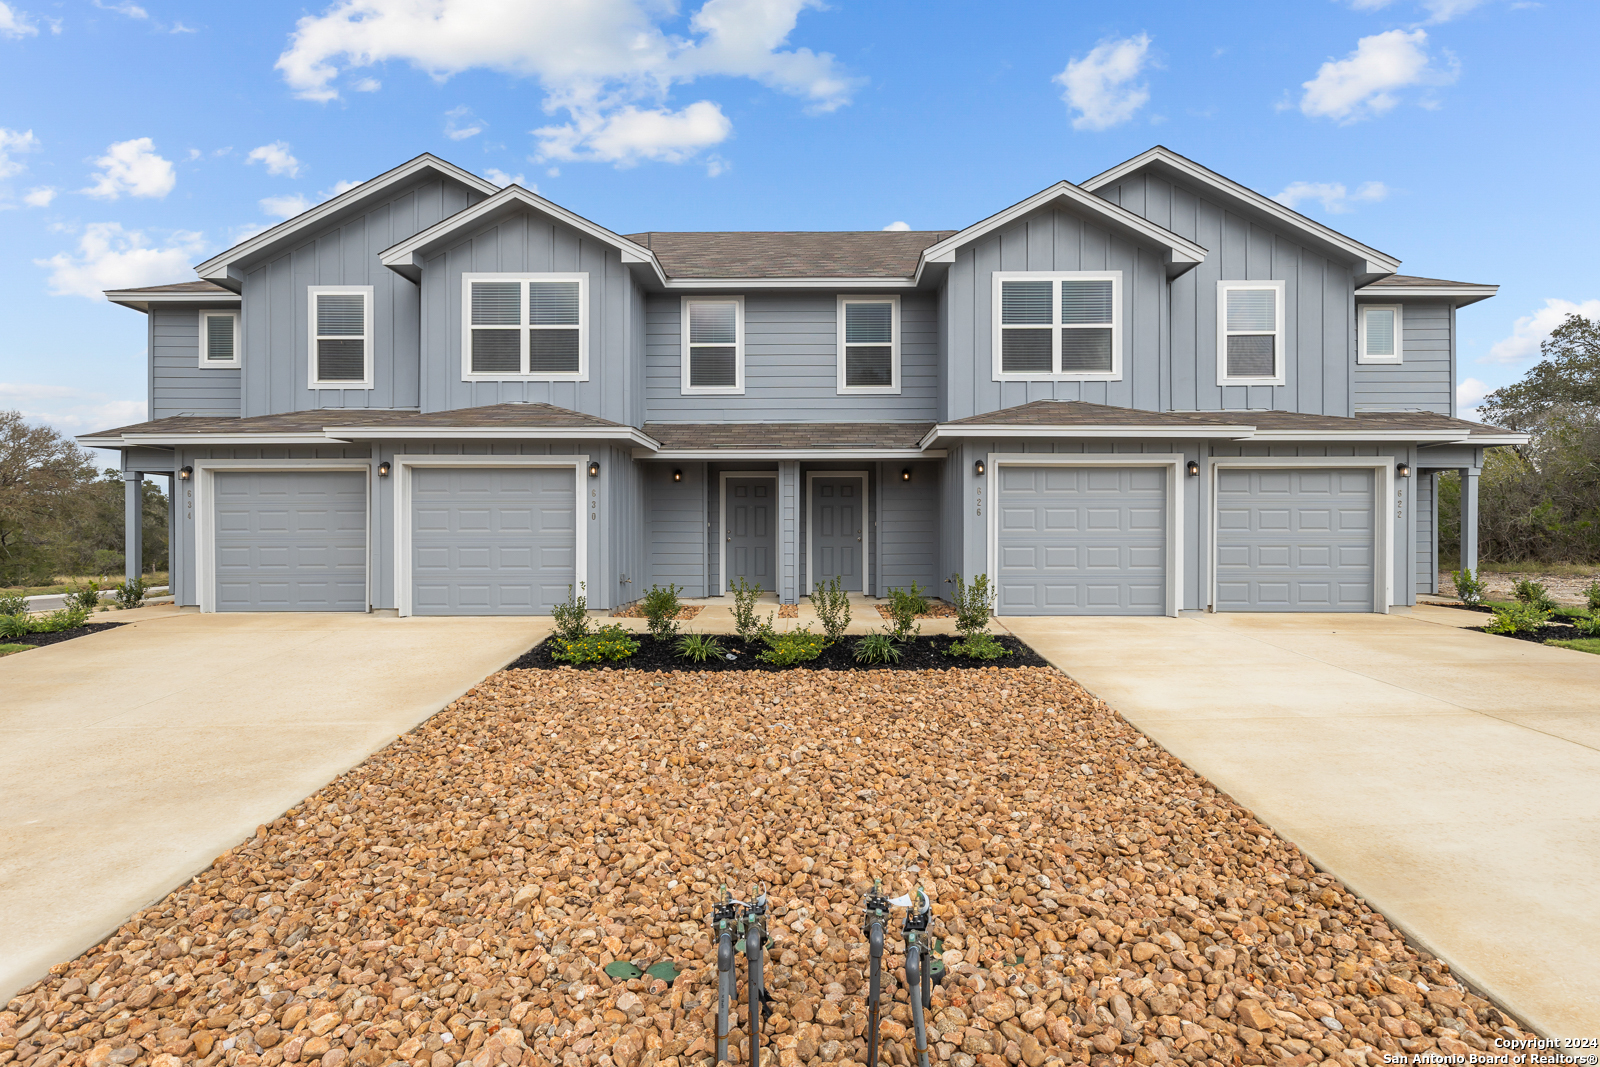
x: 1381, y: 334
x: 219, y: 339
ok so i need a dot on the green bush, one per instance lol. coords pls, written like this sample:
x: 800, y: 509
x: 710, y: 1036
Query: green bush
x: 14, y: 626
x: 904, y: 607
x: 745, y: 622
x: 1592, y: 595
x: 572, y: 617
x: 1534, y: 594
x: 791, y: 647
x: 877, y: 648
x: 608, y: 644
x: 13, y: 604
x: 978, y: 645
x: 1517, y: 619
x: 87, y: 598
x: 131, y: 594
x: 661, y: 607
x: 1469, y: 588
x: 699, y: 647
x: 973, y: 603
x: 1588, y: 625
x: 833, y: 607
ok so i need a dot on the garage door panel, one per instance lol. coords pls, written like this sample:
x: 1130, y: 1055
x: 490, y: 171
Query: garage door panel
x: 290, y: 540
x: 1295, y: 540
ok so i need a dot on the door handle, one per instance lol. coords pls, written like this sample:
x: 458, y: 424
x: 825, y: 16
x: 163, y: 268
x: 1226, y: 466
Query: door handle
x: 730, y: 537
x: 858, y: 535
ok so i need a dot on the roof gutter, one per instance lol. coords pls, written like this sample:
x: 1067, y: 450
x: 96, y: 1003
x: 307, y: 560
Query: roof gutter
x: 494, y: 433
x: 1225, y: 433
x: 793, y: 453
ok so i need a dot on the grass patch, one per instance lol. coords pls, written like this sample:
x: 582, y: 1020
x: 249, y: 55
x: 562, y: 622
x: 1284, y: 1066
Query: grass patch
x: 66, y: 585
x: 1562, y: 611
x: 1528, y: 566
x: 6, y: 650
x: 1582, y: 644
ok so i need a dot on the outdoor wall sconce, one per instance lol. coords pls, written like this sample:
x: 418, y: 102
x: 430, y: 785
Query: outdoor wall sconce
x: 677, y: 474
x: 594, y: 468
x: 186, y: 473
x: 977, y: 468
x: 384, y: 469
x: 1193, y: 468
x: 1403, y: 470
x: 905, y: 475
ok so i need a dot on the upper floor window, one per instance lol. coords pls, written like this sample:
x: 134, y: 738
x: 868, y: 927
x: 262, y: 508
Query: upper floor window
x: 713, y: 344
x: 1250, y: 333
x: 525, y: 327
x: 1380, y: 326
x: 219, y: 338
x: 341, y: 337
x: 1058, y: 325
x: 869, y: 344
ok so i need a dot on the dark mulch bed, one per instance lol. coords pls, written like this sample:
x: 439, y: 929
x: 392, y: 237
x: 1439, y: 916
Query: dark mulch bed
x: 921, y: 653
x: 62, y: 635
x: 1549, y: 632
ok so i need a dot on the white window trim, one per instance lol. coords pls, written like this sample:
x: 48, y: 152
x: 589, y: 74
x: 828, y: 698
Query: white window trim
x: 312, y: 292
x: 218, y: 364
x: 1055, y: 276
x: 892, y: 389
x: 582, y: 373
x: 1280, y: 358
x: 1399, y: 334
x: 737, y: 389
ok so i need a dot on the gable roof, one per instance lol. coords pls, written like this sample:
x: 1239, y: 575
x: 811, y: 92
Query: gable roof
x: 770, y: 254
x: 220, y: 268
x: 1373, y: 264
x: 1182, y: 253
x: 1396, y: 285
x: 178, y: 294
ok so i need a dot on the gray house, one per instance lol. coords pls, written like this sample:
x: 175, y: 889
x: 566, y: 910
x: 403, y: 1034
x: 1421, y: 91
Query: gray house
x: 1151, y: 392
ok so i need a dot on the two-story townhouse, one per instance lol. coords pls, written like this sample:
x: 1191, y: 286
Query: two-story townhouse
x: 1152, y: 392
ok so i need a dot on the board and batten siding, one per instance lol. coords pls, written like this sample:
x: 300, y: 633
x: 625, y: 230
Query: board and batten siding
x: 679, y: 531
x: 1319, y: 304
x: 791, y: 363
x: 276, y: 321
x: 531, y: 243
x: 908, y: 545
x: 178, y: 384
x: 1424, y: 380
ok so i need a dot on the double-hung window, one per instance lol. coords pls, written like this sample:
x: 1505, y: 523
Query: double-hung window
x: 1250, y: 333
x: 219, y: 339
x: 869, y: 344
x: 340, y: 346
x: 1380, y: 331
x: 525, y: 327
x: 713, y: 344
x: 1058, y: 325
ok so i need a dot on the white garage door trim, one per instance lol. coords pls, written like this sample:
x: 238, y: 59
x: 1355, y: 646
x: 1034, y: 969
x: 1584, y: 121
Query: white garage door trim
x: 1384, y: 498
x: 205, y: 518
x: 402, y: 470
x: 1173, y: 462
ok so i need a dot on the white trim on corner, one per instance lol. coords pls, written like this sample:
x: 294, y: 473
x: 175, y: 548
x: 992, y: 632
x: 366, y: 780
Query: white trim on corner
x: 1383, y: 494
x: 841, y: 387
x: 205, y: 470
x: 1054, y: 277
x: 722, y: 524
x: 367, y: 324
x: 523, y: 327
x: 866, y: 528
x: 1172, y: 462
x: 736, y: 389
x: 204, y: 338
x: 1280, y: 357
x: 1399, y: 334
x: 403, y: 467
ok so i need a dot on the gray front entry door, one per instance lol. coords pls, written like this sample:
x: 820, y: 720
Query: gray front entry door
x: 492, y: 540
x: 291, y: 540
x: 1292, y: 539
x: 1082, y: 541
x: 837, y: 526
x: 751, y: 537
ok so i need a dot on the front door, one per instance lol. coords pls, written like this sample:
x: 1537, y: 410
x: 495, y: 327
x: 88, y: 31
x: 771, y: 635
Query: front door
x: 836, y: 526
x: 750, y: 539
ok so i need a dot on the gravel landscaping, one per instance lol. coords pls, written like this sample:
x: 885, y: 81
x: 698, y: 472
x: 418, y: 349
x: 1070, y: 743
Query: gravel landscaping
x: 919, y: 653
x: 636, y: 611
x: 453, y: 899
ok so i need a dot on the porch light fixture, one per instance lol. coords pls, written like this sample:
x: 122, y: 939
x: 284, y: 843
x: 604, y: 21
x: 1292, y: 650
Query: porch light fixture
x: 977, y: 468
x: 594, y: 468
x: 677, y: 474
x: 905, y: 474
x: 1403, y: 470
x: 383, y: 469
x: 1193, y: 468
x: 186, y: 473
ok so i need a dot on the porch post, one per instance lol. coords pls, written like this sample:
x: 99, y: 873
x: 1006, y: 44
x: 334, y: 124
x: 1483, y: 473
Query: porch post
x: 133, y: 524
x: 1469, y: 518
x: 789, y: 519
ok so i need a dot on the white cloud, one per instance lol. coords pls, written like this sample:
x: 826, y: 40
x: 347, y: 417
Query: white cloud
x: 460, y: 124
x: 285, y: 207
x: 1100, y: 87
x: 1469, y: 394
x: 39, y: 197
x: 367, y: 85
x: 900, y: 227
x: 110, y: 257
x: 1530, y: 330
x: 15, y: 24
x: 133, y: 11
x: 70, y: 409
x: 608, y: 64
x: 1364, y: 83
x: 12, y: 141
x: 502, y: 179
x: 1333, y: 196
x: 1438, y: 10
x: 132, y: 167
x: 343, y: 185
x: 277, y: 158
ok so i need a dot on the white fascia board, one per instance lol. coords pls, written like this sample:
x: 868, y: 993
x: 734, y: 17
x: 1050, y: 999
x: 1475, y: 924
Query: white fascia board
x: 1190, y: 433
x: 1373, y: 262
x: 1182, y: 253
x: 494, y: 433
x: 406, y: 257
x: 174, y: 439
x: 794, y: 453
x: 219, y: 268
x: 1488, y: 439
x: 1460, y: 294
x: 142, y: 301
x: 721, y: 284
x: 1412, y: 436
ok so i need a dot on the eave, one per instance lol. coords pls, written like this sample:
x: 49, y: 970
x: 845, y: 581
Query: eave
x: 143, y: 301
x: 1189, y: 433
x: 495, y: 433
x: 1462, y: 295
x: 714, y: 454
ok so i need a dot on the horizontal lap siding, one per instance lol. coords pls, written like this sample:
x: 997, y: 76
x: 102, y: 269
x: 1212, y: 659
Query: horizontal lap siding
x: 179, y: 385
x: 1424, y: 380
x: 1427, y: 536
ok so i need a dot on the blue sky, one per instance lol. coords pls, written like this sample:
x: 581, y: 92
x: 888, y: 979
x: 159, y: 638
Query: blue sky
x: 138, y: 138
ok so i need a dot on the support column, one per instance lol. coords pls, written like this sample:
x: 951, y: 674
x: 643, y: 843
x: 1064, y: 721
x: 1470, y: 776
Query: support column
x: 133, y: 524
x: 1469, y: 518
x: 789, y: 531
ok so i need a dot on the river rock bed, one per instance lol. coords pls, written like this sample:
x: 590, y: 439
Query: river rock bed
x: 454, y: 898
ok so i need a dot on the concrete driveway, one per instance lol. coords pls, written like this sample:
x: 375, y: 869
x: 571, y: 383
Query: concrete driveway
x: 1451, y: 778
x: 132, y: 758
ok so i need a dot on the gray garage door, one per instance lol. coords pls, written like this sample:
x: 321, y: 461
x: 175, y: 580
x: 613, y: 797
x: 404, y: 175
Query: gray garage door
x: 291, y: 540
x: 1295, y: 540
x: 492, y: 541
x: 1082, y: 541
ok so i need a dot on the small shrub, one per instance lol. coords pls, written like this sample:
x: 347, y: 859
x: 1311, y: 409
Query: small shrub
x: 877, y: 648
x: 57, y: 621
x: 1588, y: 625
x: 833, y: 607
x: 608, y: 644
x: 791, y: 647
x: 131, y: 594
x: 699, y: 647
x: 661, y: 607
x: 973, y: 603
x: 745, y: 622
x: 978, y: 645
x: 904, y: 607
x: 13, y: 604
x: 17, y: 625
x: 1592, y: 595
x: 572, y: 617
x: 1534, y: 594
x: 87, y: 598
x: 1517, y: 619
x: 1469, y: 588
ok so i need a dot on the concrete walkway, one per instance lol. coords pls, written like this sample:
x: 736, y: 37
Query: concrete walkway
x: 1450, y: 778
x: 132, y: 758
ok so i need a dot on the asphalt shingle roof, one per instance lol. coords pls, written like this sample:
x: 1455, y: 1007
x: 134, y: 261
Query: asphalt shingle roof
x: 790, y: 253
x: 746, y: 436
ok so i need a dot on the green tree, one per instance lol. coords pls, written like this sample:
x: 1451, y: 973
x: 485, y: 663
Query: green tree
x: 43, y: 474
x: 1567, y: 379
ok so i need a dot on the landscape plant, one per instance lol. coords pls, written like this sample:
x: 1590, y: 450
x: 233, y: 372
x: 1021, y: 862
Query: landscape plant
x: 1517, y: 619
x: 699, y: 647
x: 904, y: 607
x: 745, y: 622
x: 1534, y: 594
x: 878, y: 648
x: 86, y: 597
x: 1469, y: 588
x: 979, y: 644
x: 1588, y: 625
x: 661, y: 608
x: 14, y: 626
x: 1592, y: 595
x: 973, y: 603
x: 13, y: 604
x: 572, y: 616
x: 131, y: 594
x: 792, y: 646
x: 832, y: 602
x: 607, y: 644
